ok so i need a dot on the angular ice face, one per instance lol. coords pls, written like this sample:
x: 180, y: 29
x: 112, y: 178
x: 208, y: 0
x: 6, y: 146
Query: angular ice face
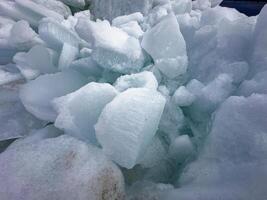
x: 143, y: 79
x: 79, y: 111
x: 109, y: 9
x: 132, y: 28
x: 38, y: 60
x: 64, y: 165
x: 22, y: 37
x: 182, y: 97
x: 87, y: 66
x: 165, y: 43
x: 128, y: 18
x: 55, y: 34
x: 127, y: 124
x: 37, y: 94
x: 113, y: 49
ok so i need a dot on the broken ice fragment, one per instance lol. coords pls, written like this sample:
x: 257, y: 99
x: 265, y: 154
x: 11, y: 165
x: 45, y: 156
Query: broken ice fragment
x: 113, y: 48
x: 79, y: 111
x: 127, y: 124
x: 55, y: 34
x: 39, y: 60
x: 182, y: 97
x: 37, y: 94
x: 138, y: 17
x: 22, y: 37
x: 165, y: 43
x: 140, y: 80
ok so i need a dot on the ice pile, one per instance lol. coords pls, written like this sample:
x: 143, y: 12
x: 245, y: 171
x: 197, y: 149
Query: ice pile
x: 132, y: 99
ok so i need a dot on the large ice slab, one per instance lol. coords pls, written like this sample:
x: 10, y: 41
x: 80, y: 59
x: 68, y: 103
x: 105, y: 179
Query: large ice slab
x: 67, y: 167
x: 165, y: 43
x: 79, y: 111
x: 37, y: 94
x: 127, y: 124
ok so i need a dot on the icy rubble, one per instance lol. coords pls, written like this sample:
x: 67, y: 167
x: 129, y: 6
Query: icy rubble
x: 135, y: 99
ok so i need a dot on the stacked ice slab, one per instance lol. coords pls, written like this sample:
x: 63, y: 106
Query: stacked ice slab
x: 132, y: 99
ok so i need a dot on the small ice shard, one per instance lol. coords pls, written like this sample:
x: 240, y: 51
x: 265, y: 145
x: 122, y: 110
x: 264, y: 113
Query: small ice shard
x: 68, y: 54
x: 138, y: 17
x: 165, y: 43
x: 55, y: 34
x: 47, y: 164
x: 109, y: 9
x: 140, y: 80
x: 39, y: 60
x: 128, y: 124
x: 75, y: 3
x: 9, y: 73
x: 182, y: 97
x: 79, y: 111
x: 113, y: 49
x: 181, y: 148
x: 22, y: 37
x: 37, y: 94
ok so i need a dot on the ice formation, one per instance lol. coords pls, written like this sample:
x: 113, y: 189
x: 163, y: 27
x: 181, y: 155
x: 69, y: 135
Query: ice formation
x: 132, y: 99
